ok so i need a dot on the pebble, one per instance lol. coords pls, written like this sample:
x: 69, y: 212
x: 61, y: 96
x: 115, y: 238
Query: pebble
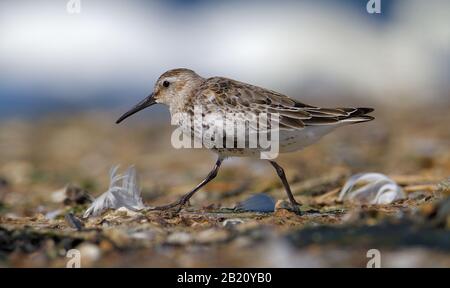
x: 211, y: 236
x: 76, y: 195
x: 89, y: 253
x: 74, y: 222
x: 143, y: 235
x: 257, y: 203
x: 231, y: 223
x: 53, y: 214
x: 58, y: 196
x: 283, y: 204
x: 179, y: 238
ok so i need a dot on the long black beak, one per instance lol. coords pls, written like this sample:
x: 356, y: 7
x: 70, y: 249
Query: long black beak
x: 147, y: 102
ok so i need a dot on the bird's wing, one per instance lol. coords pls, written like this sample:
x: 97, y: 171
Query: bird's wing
x: 237, y: 97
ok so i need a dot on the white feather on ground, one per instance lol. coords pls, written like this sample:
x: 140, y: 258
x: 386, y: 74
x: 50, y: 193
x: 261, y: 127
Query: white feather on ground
x: 123, y: 191
x: 374, y: 188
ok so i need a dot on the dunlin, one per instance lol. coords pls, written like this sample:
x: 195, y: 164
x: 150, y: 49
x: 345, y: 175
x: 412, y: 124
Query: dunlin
x: 299, y: 124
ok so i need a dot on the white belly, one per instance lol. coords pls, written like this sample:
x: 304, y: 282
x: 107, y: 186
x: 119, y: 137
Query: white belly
x: 291, y: 141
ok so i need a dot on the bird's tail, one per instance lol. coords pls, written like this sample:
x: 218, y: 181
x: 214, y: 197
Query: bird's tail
x: 358, y: 115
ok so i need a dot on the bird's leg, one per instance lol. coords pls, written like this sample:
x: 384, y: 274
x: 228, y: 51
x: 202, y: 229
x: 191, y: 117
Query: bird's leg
x: 287, y: 188
x: 185, y: 198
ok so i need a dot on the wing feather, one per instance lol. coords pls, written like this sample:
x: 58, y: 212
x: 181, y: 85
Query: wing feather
x: 237, y: 97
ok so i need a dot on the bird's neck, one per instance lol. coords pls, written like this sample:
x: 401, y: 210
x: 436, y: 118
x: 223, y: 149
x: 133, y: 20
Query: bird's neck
x: 186, y: 96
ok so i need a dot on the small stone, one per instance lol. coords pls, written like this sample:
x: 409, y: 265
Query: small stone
x: 257, y: 203
x: 143, y: 235
x: 179, y: 238
x: 106, y: 246
x: 53, y: 214
x: 428, y: 209
x: 242, y: 242
x: 75, y: 195
x: 4, y: 187
x: 123, y: 211
x: 119, y: 237
x: 211, y: 236
x: 284, y: 213
x: 89, y: 254
x: 444, y: 187
x: 283, y: 204
x: 442, y: 218
x: 231, y: 223
x: 58, y: 196
x: 74, y: 222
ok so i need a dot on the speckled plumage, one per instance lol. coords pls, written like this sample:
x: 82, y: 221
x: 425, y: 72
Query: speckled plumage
x: 300, y: 124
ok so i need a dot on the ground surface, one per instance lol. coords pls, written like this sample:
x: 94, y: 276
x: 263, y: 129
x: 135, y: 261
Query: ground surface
x: 38, y: 159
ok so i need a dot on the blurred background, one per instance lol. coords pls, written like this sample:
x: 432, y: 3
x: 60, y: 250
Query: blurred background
x: 67, y: 74
x: 111, y: 52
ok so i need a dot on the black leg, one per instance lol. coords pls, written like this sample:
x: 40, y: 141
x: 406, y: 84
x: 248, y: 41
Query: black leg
x: 287, y: 188
x: 183, y: 200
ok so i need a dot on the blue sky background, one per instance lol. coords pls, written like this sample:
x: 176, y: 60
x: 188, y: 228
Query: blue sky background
x: 111, y: 53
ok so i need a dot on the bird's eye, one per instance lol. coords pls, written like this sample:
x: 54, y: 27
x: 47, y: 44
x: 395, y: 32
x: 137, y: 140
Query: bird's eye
x: 166, y: 84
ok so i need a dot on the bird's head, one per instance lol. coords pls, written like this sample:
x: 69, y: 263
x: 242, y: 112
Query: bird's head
x: 172, y: 89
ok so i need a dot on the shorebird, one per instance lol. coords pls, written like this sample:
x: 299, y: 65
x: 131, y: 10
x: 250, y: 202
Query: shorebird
x: 299, y: 124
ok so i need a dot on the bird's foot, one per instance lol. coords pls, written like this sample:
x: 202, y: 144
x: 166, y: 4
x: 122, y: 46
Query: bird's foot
x: 175, y: 206
x: 295, y: 207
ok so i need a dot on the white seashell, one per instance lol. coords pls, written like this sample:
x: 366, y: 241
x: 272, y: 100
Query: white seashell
x: 377, y: 189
